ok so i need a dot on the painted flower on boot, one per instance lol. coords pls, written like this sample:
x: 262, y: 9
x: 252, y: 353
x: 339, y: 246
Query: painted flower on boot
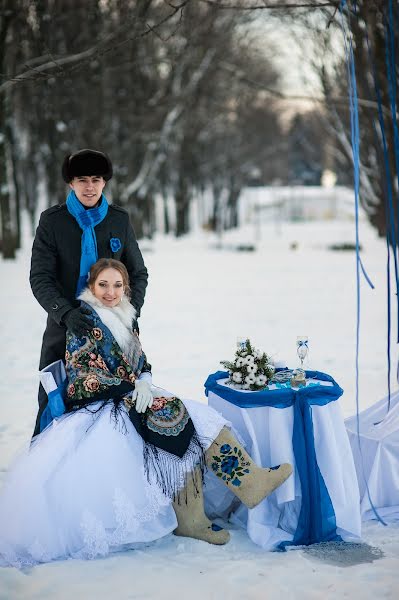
x: 230, y: 466
x: 225, y: 448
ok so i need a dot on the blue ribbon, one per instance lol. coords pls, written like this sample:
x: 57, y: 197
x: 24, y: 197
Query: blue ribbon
x: 355, y: 137
x: 391, y: 236
x: 280, y: 398
x: 302, y: 343
x: 316, y: 521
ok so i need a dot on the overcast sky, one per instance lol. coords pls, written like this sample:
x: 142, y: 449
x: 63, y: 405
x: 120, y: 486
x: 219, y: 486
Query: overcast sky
x: 294, y: 49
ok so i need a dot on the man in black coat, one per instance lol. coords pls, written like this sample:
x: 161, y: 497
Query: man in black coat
x: 56, y: 256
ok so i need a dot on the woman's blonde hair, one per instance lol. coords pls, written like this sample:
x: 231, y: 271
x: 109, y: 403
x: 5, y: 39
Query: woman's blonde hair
x: 109, y: 263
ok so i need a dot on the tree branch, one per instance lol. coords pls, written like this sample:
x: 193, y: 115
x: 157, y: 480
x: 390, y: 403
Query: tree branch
x: 279, y: 5
x: 151, y: 164
x: 47, y: 68
x: 338, y: 100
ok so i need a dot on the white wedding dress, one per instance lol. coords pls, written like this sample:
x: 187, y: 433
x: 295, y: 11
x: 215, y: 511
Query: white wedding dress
x: 80, y: 489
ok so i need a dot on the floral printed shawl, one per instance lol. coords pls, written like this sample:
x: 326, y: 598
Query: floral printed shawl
x: 97, y: 369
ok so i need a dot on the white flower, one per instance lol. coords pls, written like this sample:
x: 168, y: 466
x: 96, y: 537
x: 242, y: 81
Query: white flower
x: 250, y: 359
x: 252, y: 368
x: 243, y: 353
x: 239, y: 362
x: 258, y: 354
x: 260, y: 380
x: 250, y: 379
x: 237, y: 377
x: 245, y: 386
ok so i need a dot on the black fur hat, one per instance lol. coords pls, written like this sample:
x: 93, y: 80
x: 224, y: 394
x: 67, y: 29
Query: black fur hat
x: 86, y: 162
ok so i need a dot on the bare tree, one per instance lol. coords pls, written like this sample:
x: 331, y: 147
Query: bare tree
x: 158, y: 85
x: 368, y: 27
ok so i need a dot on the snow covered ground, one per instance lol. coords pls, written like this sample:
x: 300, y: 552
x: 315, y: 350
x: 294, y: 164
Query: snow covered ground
x: 200, y: 298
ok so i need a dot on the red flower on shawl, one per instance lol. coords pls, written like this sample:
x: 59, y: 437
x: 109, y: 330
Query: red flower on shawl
x: 97, y: 333
x: 158, y: 403
x: 91, y: 383
x: 121, y: 371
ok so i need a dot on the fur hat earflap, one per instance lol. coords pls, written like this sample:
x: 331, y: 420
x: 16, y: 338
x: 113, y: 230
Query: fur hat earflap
x: 86, y: 162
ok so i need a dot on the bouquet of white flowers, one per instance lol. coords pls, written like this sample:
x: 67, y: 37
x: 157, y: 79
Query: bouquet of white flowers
x: 251, y: 369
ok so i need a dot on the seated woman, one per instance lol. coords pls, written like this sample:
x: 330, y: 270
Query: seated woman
x: 124, y: 463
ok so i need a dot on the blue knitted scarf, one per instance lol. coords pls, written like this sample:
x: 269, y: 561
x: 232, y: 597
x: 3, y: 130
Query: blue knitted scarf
x: 87, y: 220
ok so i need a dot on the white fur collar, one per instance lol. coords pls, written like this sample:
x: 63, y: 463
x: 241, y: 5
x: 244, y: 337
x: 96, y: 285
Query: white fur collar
x: 124, y: 310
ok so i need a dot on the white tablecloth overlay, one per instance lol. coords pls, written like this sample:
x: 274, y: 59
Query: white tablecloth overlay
x: 267, y: 433
x: 379, y: 443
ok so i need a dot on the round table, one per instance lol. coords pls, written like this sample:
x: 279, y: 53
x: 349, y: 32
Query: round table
x: 305, y: 427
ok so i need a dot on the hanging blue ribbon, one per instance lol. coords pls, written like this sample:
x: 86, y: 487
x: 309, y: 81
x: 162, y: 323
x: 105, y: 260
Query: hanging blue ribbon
x: 390, y: 60
x: 316, y: 522
x: 355, y: 138
x: 391, y: 236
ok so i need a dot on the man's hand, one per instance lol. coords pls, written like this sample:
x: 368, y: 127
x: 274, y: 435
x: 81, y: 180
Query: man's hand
x: 77, y: 321
x: 142, y: 395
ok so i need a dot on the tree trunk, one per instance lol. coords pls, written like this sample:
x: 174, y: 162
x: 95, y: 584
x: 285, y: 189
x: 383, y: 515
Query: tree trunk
x: 371, y: 136
x: 182, y: 201
x: 166, y: 219
x: 232, y: 204
x: 12, y: 145
x: 7, y: 236
x: 136, y: 216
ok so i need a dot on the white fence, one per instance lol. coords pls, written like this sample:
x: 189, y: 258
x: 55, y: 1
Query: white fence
x: 298, y: 203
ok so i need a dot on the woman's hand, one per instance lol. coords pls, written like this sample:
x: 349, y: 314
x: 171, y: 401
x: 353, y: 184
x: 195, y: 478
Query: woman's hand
x: 142, y: 395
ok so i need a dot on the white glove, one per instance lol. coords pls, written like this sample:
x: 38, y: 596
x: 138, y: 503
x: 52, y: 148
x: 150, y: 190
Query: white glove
x: 142, y: 395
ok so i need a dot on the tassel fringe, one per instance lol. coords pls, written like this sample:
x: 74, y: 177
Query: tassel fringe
x: 171, y: 473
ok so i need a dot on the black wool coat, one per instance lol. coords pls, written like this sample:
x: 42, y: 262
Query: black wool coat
x: 55, y: 268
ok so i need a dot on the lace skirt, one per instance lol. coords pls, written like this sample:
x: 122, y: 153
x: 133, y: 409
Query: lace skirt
x: 80, y: 490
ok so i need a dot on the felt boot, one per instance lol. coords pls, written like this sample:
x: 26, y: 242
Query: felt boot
x: 191, y: 518
x: 250, y: 483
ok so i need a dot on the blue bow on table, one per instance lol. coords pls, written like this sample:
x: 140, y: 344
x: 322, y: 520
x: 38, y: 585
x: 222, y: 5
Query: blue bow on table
x: 316, y: 521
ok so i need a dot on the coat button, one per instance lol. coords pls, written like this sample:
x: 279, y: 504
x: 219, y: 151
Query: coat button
x: 55, y: 306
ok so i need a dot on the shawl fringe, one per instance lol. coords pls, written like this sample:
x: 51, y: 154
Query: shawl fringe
x: 170, y: 472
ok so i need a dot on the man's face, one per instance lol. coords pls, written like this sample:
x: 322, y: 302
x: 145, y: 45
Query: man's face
x: 88, y: 189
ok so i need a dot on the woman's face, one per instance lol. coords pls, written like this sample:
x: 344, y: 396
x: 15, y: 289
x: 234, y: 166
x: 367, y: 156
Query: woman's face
x: 108, y: 287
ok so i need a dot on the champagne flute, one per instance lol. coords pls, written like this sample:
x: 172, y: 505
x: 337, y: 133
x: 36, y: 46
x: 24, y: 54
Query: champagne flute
x: 241, y: 342
x: 302, y: 347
